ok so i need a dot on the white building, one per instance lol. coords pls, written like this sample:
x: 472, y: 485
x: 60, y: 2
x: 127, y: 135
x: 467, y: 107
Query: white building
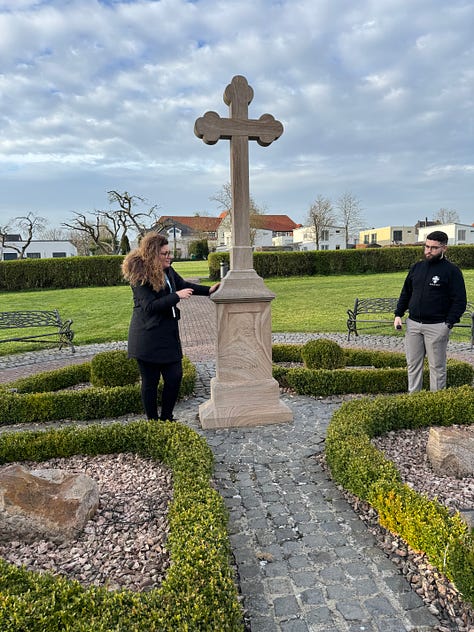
x: 36, y: 249
x: 458, y: 234
x: 389, y: 236
x: 332, y: 238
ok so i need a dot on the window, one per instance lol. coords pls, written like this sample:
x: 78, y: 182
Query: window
x: 461, y: 235
x: 59, y: 254
x: 397, y: 235
x: 325, y: 235
x: 33, y: 255
x: 9, y: 256
x: 373, y: 238
x: 366, y: 239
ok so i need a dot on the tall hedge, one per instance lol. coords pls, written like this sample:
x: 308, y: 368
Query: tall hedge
x: 104, y: 270
x: 328, y: 262
x: 63, y: 272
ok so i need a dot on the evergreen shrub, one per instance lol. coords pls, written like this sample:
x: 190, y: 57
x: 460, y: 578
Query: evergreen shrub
x: 61, y: 272
x: 113, y: 368
x: 385, y: 373
x: 359, y: 467
x: 351, y: 261
x: 39, y: 398
x: 322, y: 354
x: 198, y: 592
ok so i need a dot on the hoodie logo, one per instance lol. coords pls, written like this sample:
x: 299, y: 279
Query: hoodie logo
x: 435, y: 280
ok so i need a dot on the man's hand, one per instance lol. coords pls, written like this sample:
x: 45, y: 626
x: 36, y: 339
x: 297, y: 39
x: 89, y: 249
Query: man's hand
x: 397, y: 323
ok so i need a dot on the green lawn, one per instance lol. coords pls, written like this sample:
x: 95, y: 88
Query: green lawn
x: 306, y: 304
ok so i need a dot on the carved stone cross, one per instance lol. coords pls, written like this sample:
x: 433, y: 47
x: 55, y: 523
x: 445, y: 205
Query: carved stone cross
x: 239, y: 129
x: 243, y: 392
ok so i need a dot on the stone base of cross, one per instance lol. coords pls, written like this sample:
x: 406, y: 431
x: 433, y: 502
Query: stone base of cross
x: 243, y: 393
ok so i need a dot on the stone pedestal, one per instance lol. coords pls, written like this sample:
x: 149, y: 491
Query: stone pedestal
x: 243, y: 393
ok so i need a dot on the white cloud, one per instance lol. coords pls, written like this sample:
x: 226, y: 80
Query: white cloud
x: 375, y: 98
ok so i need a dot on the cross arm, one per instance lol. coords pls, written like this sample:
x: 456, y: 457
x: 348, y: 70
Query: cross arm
x: 211, y: 128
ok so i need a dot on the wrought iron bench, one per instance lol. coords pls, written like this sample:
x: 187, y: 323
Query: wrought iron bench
x: 379, y: 312
x: 62, y: 334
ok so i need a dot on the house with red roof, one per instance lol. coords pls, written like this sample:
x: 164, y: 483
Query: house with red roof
x: 265, y: 231
x: 181, y: 230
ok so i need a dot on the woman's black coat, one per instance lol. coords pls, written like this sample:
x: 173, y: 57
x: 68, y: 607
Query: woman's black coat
x: 153, y: 335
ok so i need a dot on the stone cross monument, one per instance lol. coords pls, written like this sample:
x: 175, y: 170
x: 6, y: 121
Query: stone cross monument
x: 243, y: 393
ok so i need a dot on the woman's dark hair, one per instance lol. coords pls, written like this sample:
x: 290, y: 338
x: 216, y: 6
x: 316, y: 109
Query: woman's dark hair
x: 143, y: 264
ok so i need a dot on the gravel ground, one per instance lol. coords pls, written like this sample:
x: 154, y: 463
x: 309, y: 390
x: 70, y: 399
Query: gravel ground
x: 407, y: 449
x: 124, y: 544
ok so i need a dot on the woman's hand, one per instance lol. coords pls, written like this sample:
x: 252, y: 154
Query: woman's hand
x: 186, y: 293
x: 214, y: 287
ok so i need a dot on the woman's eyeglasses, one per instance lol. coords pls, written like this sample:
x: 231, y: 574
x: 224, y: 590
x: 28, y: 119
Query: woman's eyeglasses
x: 165, y: 254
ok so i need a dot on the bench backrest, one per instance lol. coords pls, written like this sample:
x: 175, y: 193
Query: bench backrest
x: 375, y: 305
x: 23, y: 319
x: 388, y: 305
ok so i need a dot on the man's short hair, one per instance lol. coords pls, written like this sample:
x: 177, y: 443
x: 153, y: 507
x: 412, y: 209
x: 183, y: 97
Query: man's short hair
x: 438, y: 235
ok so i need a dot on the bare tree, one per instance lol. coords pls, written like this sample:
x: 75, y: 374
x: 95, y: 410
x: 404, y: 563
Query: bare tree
x: 447, y: 216
x: 130, y: 219
x: 107, y: 231
x: 349, y: 213
x: 53, y: 234
x: 102, y: 238
x: 224, y: 199
x: 28, y: 225
x: 80, y: 240
x: 321, y: 217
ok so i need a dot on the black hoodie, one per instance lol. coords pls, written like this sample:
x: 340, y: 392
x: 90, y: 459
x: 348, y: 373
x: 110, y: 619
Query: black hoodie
x: 433, y: 292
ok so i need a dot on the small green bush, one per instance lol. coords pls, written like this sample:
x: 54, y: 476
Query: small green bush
x: 385, y: 373
x: 358, y: 466
x: 113, y: 368
x: 198, y: 592
x: 322, y: 354
x: 28, y: 400
x: 54, y: 380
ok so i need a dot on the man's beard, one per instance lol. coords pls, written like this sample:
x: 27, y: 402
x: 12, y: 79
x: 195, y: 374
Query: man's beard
x: 434, y: 258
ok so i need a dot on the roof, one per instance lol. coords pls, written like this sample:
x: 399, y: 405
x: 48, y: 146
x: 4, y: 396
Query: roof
x: 276, y: 223
x: 197, y: 223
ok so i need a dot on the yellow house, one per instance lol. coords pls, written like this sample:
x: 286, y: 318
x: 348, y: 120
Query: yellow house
x: 389, y: 236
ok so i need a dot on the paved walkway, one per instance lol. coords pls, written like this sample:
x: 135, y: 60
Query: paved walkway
x: 305, y: 560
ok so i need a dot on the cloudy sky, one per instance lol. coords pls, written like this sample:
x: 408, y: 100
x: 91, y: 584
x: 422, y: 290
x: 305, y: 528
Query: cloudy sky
x: 376, y: 99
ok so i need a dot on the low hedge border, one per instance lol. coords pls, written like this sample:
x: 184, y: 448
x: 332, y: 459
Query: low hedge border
x: 39, y: 398
x: 359, y: 467
x: 390, y: 376
x: 198, y: 593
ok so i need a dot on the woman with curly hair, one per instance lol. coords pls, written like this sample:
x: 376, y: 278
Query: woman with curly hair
x: 153, y: 337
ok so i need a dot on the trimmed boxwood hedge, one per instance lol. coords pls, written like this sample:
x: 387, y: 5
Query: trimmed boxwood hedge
x: 39, y: 399
x: 390, y: 375
x: 198, y: 592
x: 359, y: 467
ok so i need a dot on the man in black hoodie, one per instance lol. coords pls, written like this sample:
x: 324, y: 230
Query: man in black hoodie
x: 435, y: 296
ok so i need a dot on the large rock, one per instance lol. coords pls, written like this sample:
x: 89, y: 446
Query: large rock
x: 44, y: 504
x: 451, y: 451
